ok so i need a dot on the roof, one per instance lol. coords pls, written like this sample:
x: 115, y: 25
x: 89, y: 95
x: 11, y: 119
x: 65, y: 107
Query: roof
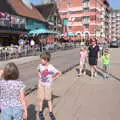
x: 47, y: 9
x: 23, y: 10
x: 5, y: 7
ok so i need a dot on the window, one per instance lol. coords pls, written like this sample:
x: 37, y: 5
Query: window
x: 87, y: 26
x: 86, y: 5
x: 86, y: 20
x: 85, y: 0
x: 86, y: 36
x: 86, y: 9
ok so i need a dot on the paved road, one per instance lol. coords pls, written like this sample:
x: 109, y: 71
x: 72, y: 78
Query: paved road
x: 61, y: 60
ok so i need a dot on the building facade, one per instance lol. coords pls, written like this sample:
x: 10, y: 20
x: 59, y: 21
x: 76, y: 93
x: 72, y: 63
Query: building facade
x: 18, y: 17
x: 51, y: 14
x: 86, y: 18
x: 114, y: 23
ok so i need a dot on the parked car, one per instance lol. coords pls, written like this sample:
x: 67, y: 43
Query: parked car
x: 115, y: 43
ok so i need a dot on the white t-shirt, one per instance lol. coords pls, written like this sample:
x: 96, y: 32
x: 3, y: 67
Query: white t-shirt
x: 21, y: 42
x: 46, y: 74
x: 32, y: 42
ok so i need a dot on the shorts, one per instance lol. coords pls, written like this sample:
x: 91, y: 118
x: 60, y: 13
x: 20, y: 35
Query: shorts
x: 105, y: 67
x: 12, y: 112
x: 44, y: 92
x: 93, y: 61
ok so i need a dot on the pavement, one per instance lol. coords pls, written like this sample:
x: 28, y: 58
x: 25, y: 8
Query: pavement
x: 83, y: 98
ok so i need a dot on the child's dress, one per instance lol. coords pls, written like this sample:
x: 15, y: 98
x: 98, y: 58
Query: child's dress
x: 83, y: 56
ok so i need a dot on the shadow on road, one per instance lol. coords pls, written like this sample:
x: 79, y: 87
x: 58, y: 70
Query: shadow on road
x: 100, y: 74
x: 46, y: 102
x: 113, y: 76
x: 87, y: 71
x: 31, y: 112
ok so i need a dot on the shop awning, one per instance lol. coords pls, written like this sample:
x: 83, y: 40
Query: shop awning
x: 60, y: 35
x: 71, y: 34
x: 42, y: 31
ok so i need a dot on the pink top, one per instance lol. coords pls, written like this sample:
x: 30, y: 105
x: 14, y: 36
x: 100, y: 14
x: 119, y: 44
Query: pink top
x: 83, y: 55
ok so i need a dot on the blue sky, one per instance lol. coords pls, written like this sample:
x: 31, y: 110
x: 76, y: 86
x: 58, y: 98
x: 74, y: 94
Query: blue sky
x: 113, y: 3
x: 35, y: 1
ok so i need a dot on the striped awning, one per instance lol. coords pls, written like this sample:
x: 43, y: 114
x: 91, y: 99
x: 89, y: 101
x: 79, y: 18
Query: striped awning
x: 42, y: 31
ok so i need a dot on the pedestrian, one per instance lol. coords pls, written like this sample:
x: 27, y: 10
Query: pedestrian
x: 47, y: 75
x: 21, y: 42
x: 12, y: 98
x: 83, y: 58
x: 106, y: 62
x: 101, y: 47
x: 93, y: 56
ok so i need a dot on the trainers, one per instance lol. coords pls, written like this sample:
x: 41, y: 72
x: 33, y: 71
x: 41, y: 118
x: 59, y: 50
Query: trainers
x: 95, y: 74
x: 52, y: 116
x: 79, y: 74
x: 107, y: 76
x: 92, y: 75
x: 41, y: 116
x: 84, y: 73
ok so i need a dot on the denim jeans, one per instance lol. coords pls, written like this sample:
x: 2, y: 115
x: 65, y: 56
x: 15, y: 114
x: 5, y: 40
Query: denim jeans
x: 12, y: 113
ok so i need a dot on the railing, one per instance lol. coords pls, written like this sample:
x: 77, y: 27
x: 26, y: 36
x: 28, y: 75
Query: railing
x: 7, y: 23
x: 7, y: 53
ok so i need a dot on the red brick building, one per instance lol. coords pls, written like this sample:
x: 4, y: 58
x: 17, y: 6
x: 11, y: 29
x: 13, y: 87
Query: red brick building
x: 86, y: 18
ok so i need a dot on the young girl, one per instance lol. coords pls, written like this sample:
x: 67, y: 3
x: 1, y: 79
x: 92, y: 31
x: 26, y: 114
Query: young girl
x: 83, y: 57
x: 12, y: 98
x: 106, y: 62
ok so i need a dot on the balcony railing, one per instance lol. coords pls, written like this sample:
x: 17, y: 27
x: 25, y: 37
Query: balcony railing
x: 6, y: 23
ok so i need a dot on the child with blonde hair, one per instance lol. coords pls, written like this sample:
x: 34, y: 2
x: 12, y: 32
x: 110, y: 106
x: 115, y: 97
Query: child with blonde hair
x: 106, y: 62
x: 83, y: 58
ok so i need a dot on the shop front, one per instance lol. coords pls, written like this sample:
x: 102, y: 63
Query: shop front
x: 11, y: 26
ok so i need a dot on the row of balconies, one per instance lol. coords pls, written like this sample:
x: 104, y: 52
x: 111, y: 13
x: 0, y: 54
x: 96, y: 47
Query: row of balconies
x: 12, y: 25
